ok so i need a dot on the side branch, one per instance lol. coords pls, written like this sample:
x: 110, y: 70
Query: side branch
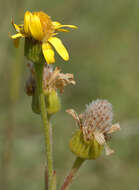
x: 68, y: 180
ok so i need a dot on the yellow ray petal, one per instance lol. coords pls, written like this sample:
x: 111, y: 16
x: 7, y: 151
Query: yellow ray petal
x: 69, y: 26
x: 27, y: 21
x: 58, y: 25
x: 17, y: 28
x: 16, y: 38
x: 36, y: 28
x: 18, y: 35
x: 56, y: 42
x: 54, y: 34
x: 48, y: 53
x: 62, y: 30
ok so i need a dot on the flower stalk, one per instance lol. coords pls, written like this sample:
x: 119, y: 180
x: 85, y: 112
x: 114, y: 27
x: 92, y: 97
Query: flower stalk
x: 45, y: 120
x: 76, y: 166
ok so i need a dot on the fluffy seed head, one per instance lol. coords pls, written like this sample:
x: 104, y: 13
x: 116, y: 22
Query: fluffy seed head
x: 97, y: 118
x: 96, y: 127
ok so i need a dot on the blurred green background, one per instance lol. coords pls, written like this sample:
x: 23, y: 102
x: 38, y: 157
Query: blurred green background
x: 104, y: 59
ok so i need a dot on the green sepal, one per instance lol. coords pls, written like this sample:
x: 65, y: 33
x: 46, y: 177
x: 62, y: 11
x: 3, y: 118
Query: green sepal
x: 52, y: 102
x: 88, y: 151
x: 33, y: 50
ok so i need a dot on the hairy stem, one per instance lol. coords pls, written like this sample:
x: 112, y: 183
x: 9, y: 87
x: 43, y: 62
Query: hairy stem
x: 45, y: 120
x: 68, y: 180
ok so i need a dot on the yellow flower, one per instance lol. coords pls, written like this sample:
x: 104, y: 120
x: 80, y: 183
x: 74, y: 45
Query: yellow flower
x: 39, y: 26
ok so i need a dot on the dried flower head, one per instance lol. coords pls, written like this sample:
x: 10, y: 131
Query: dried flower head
x: 40, y: 27
x: 96, y: 122
x: 53, y: 80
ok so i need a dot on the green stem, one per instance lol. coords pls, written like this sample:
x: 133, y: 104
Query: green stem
x: 46, y: 124
x: 68, y: 180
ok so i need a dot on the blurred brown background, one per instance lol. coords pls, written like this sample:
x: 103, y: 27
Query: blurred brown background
x: 104, y: 59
